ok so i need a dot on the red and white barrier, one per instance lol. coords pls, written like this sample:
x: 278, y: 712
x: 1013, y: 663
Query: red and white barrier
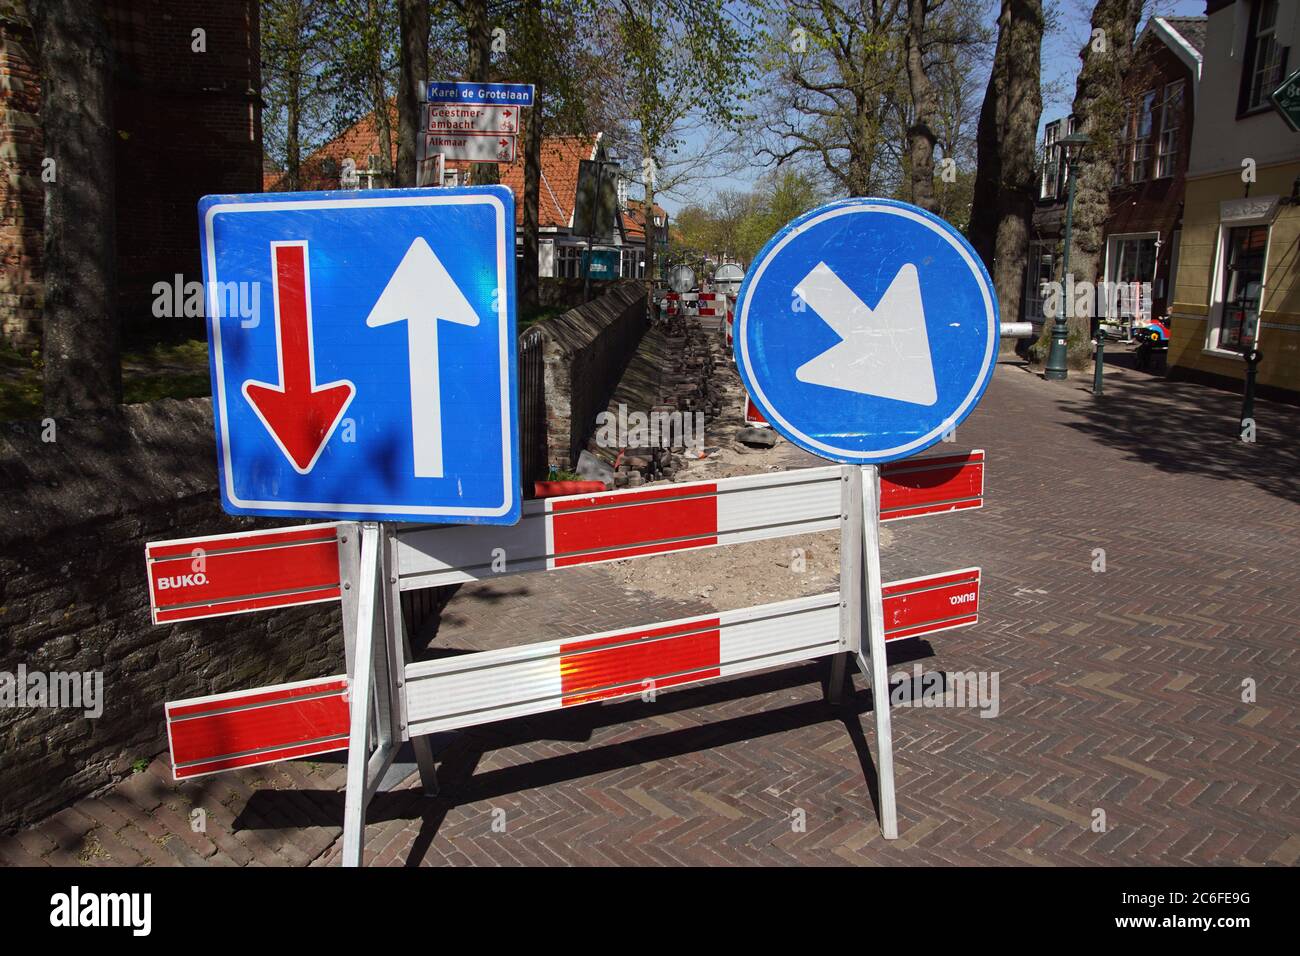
x: 472, y: 689
x: 385, y: 700
x: 251, y: 727
x: 192, y: 578
x: 607, y: 526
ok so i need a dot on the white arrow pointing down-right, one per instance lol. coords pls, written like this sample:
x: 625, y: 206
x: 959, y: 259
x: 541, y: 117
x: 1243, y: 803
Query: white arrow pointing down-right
x: 883, y: 351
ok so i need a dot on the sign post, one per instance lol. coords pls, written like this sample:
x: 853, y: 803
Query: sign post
x: 865, y: 367
x: 839, y: 392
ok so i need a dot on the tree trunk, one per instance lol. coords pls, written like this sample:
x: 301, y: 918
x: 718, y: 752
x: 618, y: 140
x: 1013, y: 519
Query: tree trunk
x: 1007, y: 174
x: 83, y: 364
x: 414, y: 51
x: 478, y: 36
x: 1099, y: 108
x: 920, y: 133
x: 293, y: 117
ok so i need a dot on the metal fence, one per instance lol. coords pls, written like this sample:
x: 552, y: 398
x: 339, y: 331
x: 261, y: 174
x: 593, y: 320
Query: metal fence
x: 532, y: 410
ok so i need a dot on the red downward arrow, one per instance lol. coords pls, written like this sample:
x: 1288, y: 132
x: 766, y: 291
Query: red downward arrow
x: 299, y: 414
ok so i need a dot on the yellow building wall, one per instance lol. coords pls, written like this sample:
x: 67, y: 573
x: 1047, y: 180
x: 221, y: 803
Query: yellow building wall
x: 1280, y: 365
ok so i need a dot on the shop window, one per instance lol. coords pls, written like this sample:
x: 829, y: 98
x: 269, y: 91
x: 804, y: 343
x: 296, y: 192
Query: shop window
x: 1241, y: 288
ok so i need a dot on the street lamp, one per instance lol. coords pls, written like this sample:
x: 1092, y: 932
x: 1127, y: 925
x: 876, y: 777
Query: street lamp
x: 1057, y: 369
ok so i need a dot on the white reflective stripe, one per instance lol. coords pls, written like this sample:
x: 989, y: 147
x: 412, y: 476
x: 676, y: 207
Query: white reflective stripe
x: 757, y: 507
x: 472, y: 689
x: 749, y: 508
x: 781, y: 633
x: 477, y: 688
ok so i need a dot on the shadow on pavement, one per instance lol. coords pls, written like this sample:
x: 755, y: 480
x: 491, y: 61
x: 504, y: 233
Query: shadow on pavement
x: 1191, y: 429
x: 458, y: 761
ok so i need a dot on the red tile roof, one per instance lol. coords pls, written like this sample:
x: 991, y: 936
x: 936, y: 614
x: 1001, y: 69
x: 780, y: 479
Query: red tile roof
x: 360, y: 141
x: 634, y: 219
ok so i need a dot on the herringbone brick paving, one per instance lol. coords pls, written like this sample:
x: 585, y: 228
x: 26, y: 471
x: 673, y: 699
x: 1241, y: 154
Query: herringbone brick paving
x: 1121, y: 692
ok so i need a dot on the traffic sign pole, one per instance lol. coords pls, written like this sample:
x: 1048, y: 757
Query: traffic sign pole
x: 372, y: 743
x: 871, y: 657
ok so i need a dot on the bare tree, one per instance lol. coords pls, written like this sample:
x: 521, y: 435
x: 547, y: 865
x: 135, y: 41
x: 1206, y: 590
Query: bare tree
x: 82, y: 348
x: 413, y: 17
x: 839, y: 79
x: 921, y: 137
x: 1007, y: 168
x: 295, y: 118
x: 684, y: 70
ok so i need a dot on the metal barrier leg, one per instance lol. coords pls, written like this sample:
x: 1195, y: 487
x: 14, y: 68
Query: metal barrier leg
x: 361, y: 694
x: 398, y: 635
x: 871, y: 655
x: 835, y: 686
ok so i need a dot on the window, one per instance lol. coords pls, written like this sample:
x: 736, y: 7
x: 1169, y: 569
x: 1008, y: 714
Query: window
x: 1140, y: 147
x: 1050, y: 185
x: 1241, y: 286
x: 632, y: 265
x: 1171, y: 127
x: 1120, y: 174
x: 1040, y: 270
x: 1130, y: 270
x: 568, y: 262
x: 1265, y: 64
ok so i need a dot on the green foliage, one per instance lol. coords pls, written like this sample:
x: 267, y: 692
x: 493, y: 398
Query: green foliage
x: 739, y: 224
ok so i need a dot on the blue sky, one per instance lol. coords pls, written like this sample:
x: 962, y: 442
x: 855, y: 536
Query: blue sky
x: 1060, y: 65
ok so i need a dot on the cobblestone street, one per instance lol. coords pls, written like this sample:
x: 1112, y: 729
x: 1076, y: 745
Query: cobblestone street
x: 1120, y: 692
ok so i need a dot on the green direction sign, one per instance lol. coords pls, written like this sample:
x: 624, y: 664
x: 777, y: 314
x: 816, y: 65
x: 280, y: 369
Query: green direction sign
x: 602, y: 263
x: 1286, y: 100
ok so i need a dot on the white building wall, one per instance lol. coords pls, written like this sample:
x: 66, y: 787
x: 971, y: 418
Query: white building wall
x: 1219, y: 140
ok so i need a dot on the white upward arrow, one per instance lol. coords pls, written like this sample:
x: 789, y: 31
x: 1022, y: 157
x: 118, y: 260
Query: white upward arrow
x: 883, y: 351
x: 420, y: 293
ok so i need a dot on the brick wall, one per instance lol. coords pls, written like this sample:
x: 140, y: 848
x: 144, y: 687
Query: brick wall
x: 188, y: 124
x: 585, y: 352
x: 76, y: 515
x: 22, y: 196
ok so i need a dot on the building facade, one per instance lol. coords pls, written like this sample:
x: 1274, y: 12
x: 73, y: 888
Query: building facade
x: 188, y: 118
x: 351, y: 161
x: 1149, y: 173
x: 1236, y: 286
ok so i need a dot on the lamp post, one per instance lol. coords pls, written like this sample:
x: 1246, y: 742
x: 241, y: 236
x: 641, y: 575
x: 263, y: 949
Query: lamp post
x: 1058, y: 369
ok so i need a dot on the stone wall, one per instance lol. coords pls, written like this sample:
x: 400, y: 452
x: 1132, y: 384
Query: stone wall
x: 75, y: 514
x: 585, y: 352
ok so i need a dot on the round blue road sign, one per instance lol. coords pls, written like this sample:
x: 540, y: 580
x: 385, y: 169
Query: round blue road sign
x: 866, y: 330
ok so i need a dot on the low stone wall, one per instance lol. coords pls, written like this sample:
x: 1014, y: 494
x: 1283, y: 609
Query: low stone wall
x: 77, y: 512
x: 584, y: 354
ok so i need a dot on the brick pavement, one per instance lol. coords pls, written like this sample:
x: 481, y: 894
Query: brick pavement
x: 1120, y: 691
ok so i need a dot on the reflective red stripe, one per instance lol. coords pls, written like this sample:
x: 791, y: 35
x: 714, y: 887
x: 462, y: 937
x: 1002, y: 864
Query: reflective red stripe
x: 634, y: 661
x: 934, y: 603
x: 922, y: 486
x: 258, y: 726
x: 226, y: 574
x: 598, y: 528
